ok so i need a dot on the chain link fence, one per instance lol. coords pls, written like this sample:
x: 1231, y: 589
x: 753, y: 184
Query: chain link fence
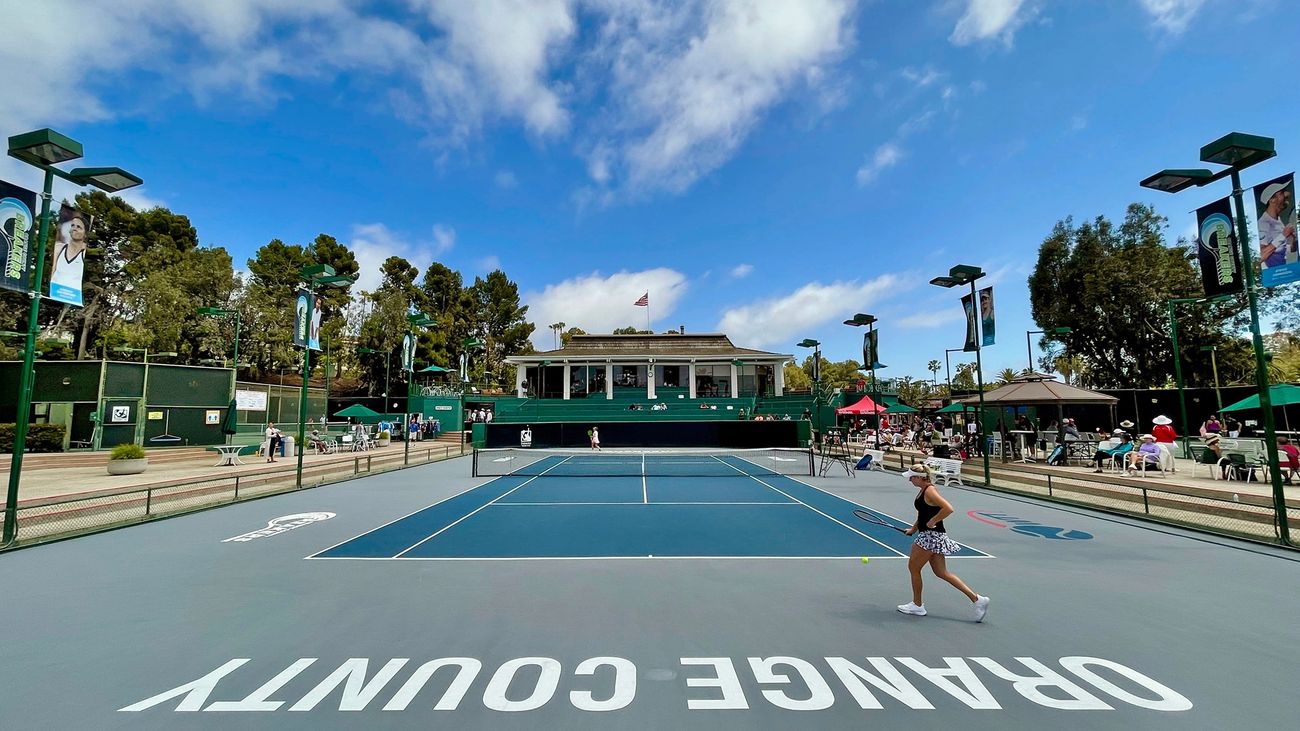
x: 44, y: 520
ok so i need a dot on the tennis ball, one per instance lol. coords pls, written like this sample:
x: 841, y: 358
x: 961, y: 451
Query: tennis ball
x: 865, y: 559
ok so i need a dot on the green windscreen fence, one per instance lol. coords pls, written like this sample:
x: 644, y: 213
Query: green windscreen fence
x: 182, y: 386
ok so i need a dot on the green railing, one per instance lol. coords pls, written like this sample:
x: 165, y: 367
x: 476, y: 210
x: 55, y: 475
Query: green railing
x: 46, y: 520
x: 1252, y: 517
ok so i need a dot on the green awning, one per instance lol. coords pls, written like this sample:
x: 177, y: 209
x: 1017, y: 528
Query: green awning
x: 434, y: 369
x: 953, y: 408
x: 900, y: 408
x: 1282, y: 394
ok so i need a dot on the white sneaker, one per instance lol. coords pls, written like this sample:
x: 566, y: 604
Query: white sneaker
x: 910, y: 608
x: 981, y: 608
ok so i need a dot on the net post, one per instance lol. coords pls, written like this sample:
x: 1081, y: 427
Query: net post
x: 474, y: 469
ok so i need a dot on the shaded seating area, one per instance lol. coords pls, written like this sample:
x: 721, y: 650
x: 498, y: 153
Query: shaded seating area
x: 1045, y: 392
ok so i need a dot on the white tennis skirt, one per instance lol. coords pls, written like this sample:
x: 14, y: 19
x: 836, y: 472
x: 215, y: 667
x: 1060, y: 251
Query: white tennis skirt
x: 936, y: 542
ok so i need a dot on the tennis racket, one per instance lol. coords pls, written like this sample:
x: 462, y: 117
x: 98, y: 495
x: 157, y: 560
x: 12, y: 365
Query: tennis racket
x: 873, y: 518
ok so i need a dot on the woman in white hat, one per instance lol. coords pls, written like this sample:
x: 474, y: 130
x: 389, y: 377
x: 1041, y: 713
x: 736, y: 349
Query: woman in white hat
x: 1162, y: 431
x: 1148, y: 451
x: 932, y: 545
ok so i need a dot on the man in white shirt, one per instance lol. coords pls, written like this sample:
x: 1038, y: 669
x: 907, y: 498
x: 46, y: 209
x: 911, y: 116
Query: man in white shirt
x: 1277, y: 241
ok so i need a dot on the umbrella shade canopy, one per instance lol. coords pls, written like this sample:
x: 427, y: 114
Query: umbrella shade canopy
x: 230, y: 425
x: 358, y: 411
x: 434, y: 369
x: 953, y: 408
x: 865, y: 406
x: 1282, y: 394
x: 900, y: 408
x: 1033, y: 391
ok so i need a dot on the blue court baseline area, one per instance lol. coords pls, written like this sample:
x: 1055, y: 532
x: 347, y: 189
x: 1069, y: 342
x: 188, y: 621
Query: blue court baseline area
x: 746, y: 513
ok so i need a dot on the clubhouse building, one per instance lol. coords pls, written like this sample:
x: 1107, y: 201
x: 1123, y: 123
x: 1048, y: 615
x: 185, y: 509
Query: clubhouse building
x: 651, y: 367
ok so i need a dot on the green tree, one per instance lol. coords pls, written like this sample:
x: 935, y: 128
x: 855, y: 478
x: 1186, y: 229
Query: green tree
x: 796, y: 378
x: 1109, y: 284
x: 502, y: 324
x: 631, y: 330
x: 1007, y: 375
x: 963, y: 378
x: 567, y: 335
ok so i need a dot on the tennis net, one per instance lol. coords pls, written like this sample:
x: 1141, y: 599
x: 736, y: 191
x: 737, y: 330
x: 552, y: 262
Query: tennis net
x: 649, y: 462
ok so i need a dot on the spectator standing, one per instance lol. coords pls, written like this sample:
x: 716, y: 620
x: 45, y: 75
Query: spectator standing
x: 1162, y: 431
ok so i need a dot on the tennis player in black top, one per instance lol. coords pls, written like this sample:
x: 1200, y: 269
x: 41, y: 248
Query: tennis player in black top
x: 932, y: 544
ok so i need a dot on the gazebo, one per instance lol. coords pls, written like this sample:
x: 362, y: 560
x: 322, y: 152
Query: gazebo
x: 1040, y: 389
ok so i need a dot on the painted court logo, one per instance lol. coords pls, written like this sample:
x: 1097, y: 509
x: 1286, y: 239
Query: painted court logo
x: 281, y: 524
x: 1028, y: 527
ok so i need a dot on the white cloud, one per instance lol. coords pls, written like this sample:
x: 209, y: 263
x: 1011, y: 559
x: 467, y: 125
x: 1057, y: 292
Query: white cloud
x: 740, y: 271
x: 885, y: 157
x: 505, y: 180
x: 932, y: 319
x: 987, y: 20
x: 691, y: 81
x: 444, y: 237
x: 487, y: 264
x: 372, y: 243
x: 601, y: 303
x: 1078, y: 123
x: 921, y: 77
x: 777, y: 320
x: 1172, y: 15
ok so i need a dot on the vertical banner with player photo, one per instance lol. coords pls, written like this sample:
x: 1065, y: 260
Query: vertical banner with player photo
x: 17, y: 228
x: 408, y: 353
x: 972, y: 324
x: 1216, y: 249
x: 988, y: 327
x: 302, y: 309
x: 69, y: 267
x: 1275, y: 206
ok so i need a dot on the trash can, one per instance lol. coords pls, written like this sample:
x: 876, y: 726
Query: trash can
x: 286, y: 446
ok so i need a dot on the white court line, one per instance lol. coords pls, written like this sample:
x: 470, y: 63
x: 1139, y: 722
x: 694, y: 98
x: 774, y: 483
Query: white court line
x: 645, y: 496
x: 613, y: 558
x: 983, y: 554
x: 806, y: 505
x: 467, y: 515
x: 404, y: 517
x: 657, y: 502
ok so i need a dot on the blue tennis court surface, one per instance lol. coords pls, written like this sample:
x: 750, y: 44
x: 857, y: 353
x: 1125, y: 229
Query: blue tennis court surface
x: 561, y: 510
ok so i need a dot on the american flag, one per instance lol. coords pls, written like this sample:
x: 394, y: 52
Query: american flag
x: 644, y: 301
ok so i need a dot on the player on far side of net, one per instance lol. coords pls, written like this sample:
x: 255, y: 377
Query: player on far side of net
x: 932, y: 545
x: 594, y: 433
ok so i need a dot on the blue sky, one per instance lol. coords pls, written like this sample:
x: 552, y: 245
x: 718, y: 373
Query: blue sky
x: 762, y: 168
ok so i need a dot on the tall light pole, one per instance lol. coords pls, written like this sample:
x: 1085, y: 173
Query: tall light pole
x: 414, y: 320
x: 314, y: 277
x: 817, y: 375
x: 1029, y: 348
x: 1237, y: 151
x: 43, y: 149
x: 869, y: 353
x: 957, y: 276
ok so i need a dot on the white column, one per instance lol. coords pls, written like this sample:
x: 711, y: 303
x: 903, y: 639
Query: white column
x: 567, y: 375
x: 519, y: 379
x: 779, y: 372
x: 690, y: 379
x: 735, y: 381
x: 609, y: 381
x: 650, y: 380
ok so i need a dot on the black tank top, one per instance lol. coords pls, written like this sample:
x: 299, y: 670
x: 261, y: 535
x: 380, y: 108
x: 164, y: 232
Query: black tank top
x: 925, y: 511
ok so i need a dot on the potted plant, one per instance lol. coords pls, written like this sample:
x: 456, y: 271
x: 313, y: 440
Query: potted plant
x: 127, y: 459
x: 385, y: 438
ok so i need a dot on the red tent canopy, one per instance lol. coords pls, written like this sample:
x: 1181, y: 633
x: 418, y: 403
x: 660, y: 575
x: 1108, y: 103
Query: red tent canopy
x: 865, y: 406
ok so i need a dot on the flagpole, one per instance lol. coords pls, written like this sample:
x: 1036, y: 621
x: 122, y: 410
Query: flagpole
x: 647, y: 310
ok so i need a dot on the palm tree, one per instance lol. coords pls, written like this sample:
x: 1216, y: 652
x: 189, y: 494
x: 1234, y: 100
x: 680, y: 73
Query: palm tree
x: 934, y: 366
x: 556, y: 328
x: 1007, y: 375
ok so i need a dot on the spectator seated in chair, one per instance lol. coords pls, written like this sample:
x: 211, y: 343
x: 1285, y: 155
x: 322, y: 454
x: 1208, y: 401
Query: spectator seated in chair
x: 1124, y: 447
x: 1148, y: 452
x: 1288, y: 458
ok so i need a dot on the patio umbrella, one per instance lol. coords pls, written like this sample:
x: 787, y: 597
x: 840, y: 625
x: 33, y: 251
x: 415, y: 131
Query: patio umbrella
x: 358, y: 411
x: 953, y: 408
x: 434, y: 369
x: 900, y: 408
x: 1282, y: 394
x: 230, y: 425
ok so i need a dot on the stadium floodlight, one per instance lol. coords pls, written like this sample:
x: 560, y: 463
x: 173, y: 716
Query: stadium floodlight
x: 109, y: 180
x: 1239, y: 150
x: 1173, y: 181
x: 43, y: 148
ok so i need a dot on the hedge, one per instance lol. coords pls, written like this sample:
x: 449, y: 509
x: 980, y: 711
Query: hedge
x: 40, y: 438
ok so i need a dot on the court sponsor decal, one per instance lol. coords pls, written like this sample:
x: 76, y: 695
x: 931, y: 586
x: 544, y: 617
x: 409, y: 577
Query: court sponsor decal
x: 1028, y: 527
x: 599, y: 684
x: 276, y: 526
